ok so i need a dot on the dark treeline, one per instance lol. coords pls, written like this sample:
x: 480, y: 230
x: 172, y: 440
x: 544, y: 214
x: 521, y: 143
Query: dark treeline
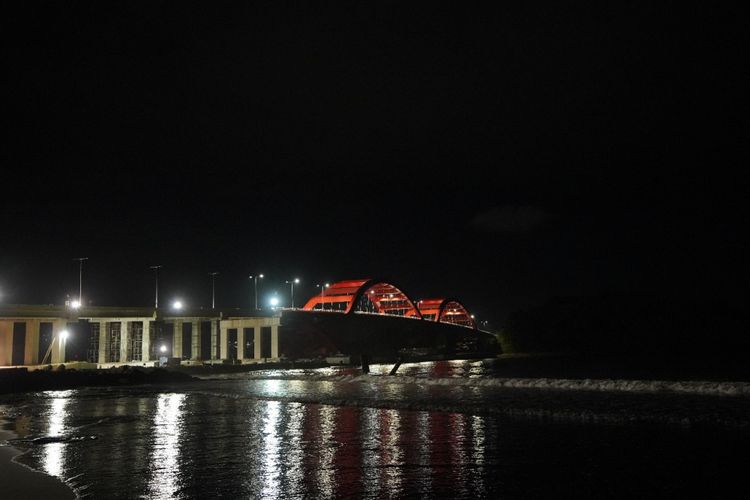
x: 628, y: 325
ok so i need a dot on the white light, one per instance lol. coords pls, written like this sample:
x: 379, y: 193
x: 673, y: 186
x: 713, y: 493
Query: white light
x: 177, y: 305
x: 274, y: 301
x: 327, y: 285
x: 472, y: 316
x: 64, y: 334
x: 260, y: 276
x: 163, y: 348
x: 75, y: 304
x: 296, y: 280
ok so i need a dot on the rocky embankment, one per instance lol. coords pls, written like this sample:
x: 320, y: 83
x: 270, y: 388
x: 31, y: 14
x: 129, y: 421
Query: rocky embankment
x: 14, y: 380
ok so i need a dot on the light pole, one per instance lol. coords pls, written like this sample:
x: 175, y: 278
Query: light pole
x: 80, y: 279
x: 213, y: 289
x: 156, y: 285
x: 323, y: 294
x: 255, y: 279
x: 292, y: 282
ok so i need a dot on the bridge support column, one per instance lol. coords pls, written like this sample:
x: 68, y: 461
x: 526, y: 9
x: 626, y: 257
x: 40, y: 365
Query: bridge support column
x: 146, y: 345
x: 6, y: 343
x: 224, y: 340
x: 195, y: 341
x: 275, y: 341
x: 31, y: 344
x: 124, y: 338
x: 177, y: 339
x: 103, y: 337
x: 256, y: 342
x: 214, y: 340
x: 240, y: 343
x: 58, y: 344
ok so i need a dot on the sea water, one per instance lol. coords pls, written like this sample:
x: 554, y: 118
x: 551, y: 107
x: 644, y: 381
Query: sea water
x: 441, y: 429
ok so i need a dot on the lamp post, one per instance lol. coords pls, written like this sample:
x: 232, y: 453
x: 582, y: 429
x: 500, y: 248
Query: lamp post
x: 156, y: 285
x: 255, y: 287
x: 213, y: 289
x: 292, y: 282
x: 323, y: 294
x: 80, y: 280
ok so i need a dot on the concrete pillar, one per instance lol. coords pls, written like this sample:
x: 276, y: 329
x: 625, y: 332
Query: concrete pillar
x: 6, y: 342
x: 58, y: 343
x: 275, y: 341
x: 214, y: 340
x: 177, y: 339
x: 240, y: 343
x: 103, y: 335
x: 224, y: 341
x: 195, y: 343
x: 146, y: 347
x: 124, y: 339
x: 256, y: 340
x: 31, y: 343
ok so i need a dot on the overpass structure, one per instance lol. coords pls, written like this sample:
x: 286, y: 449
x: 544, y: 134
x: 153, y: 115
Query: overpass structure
x: 112, y: 336
x: 352, y: 317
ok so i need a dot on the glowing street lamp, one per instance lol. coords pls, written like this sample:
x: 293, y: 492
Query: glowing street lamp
x: 156, y: 285
x: 163, y: 348
x: 80, y: 278
x: 255, y: 279
x: 292, y: 282
x: 213, y: 289
x: 273, y: 301
x: 177, y: 305
x: 75, y: 304
x: 323, y: 294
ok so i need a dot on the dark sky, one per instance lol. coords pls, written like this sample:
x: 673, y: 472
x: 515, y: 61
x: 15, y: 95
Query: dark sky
x: 503, y: 157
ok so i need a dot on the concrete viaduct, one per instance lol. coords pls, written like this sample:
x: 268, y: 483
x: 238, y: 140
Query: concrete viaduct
x: 111, y: 336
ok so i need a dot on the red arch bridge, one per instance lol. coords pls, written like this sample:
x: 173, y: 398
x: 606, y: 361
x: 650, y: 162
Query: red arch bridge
x: 378, y: 319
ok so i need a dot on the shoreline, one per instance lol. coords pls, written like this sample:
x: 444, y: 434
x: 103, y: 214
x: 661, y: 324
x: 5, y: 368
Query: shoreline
x: 19, y: 481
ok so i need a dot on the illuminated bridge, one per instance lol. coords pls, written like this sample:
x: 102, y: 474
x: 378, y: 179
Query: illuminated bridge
x: 377, y: 318
x: 379, y: 297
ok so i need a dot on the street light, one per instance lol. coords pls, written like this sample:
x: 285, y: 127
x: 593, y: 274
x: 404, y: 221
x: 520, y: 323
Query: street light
x: 255, y: 279
x: 292, y: 282
x: 177, y: 305
x: 75, y: 304
x: 80, y: 278
x: 274, y: 301
x: 213, y: 288
x: 156, y: 285
x: 323, y: 294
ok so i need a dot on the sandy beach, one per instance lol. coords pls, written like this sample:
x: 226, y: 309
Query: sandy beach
x: 19, y: 482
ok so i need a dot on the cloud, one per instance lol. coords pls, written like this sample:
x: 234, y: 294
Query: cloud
x: 509, y: 219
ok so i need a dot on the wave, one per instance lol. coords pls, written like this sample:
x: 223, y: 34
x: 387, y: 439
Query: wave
x: 705, y: 388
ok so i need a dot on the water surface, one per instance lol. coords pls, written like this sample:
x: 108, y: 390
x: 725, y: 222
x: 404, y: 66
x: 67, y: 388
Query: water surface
x: 446, y: 429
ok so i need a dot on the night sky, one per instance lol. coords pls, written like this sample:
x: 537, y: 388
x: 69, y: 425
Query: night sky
x: 503, y: 157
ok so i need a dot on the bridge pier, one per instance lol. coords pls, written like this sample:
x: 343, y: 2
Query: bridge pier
x: 146, y: 342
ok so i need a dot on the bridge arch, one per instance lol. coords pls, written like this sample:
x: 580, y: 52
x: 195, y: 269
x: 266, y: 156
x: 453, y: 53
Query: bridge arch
x: 446, y: 310
x: 364, y: 296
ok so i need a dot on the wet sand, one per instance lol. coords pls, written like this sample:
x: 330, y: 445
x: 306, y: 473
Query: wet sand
x: 19, y: 482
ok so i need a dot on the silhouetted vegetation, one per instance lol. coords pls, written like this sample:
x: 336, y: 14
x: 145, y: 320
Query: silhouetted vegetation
x: 628, y: 325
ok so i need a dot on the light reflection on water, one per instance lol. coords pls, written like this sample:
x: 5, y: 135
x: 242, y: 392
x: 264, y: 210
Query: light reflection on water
x: 270, y: 454
x: 166, y: 448
x: 54, y: 453
x: 252, y: 439
x: 327, y: 450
